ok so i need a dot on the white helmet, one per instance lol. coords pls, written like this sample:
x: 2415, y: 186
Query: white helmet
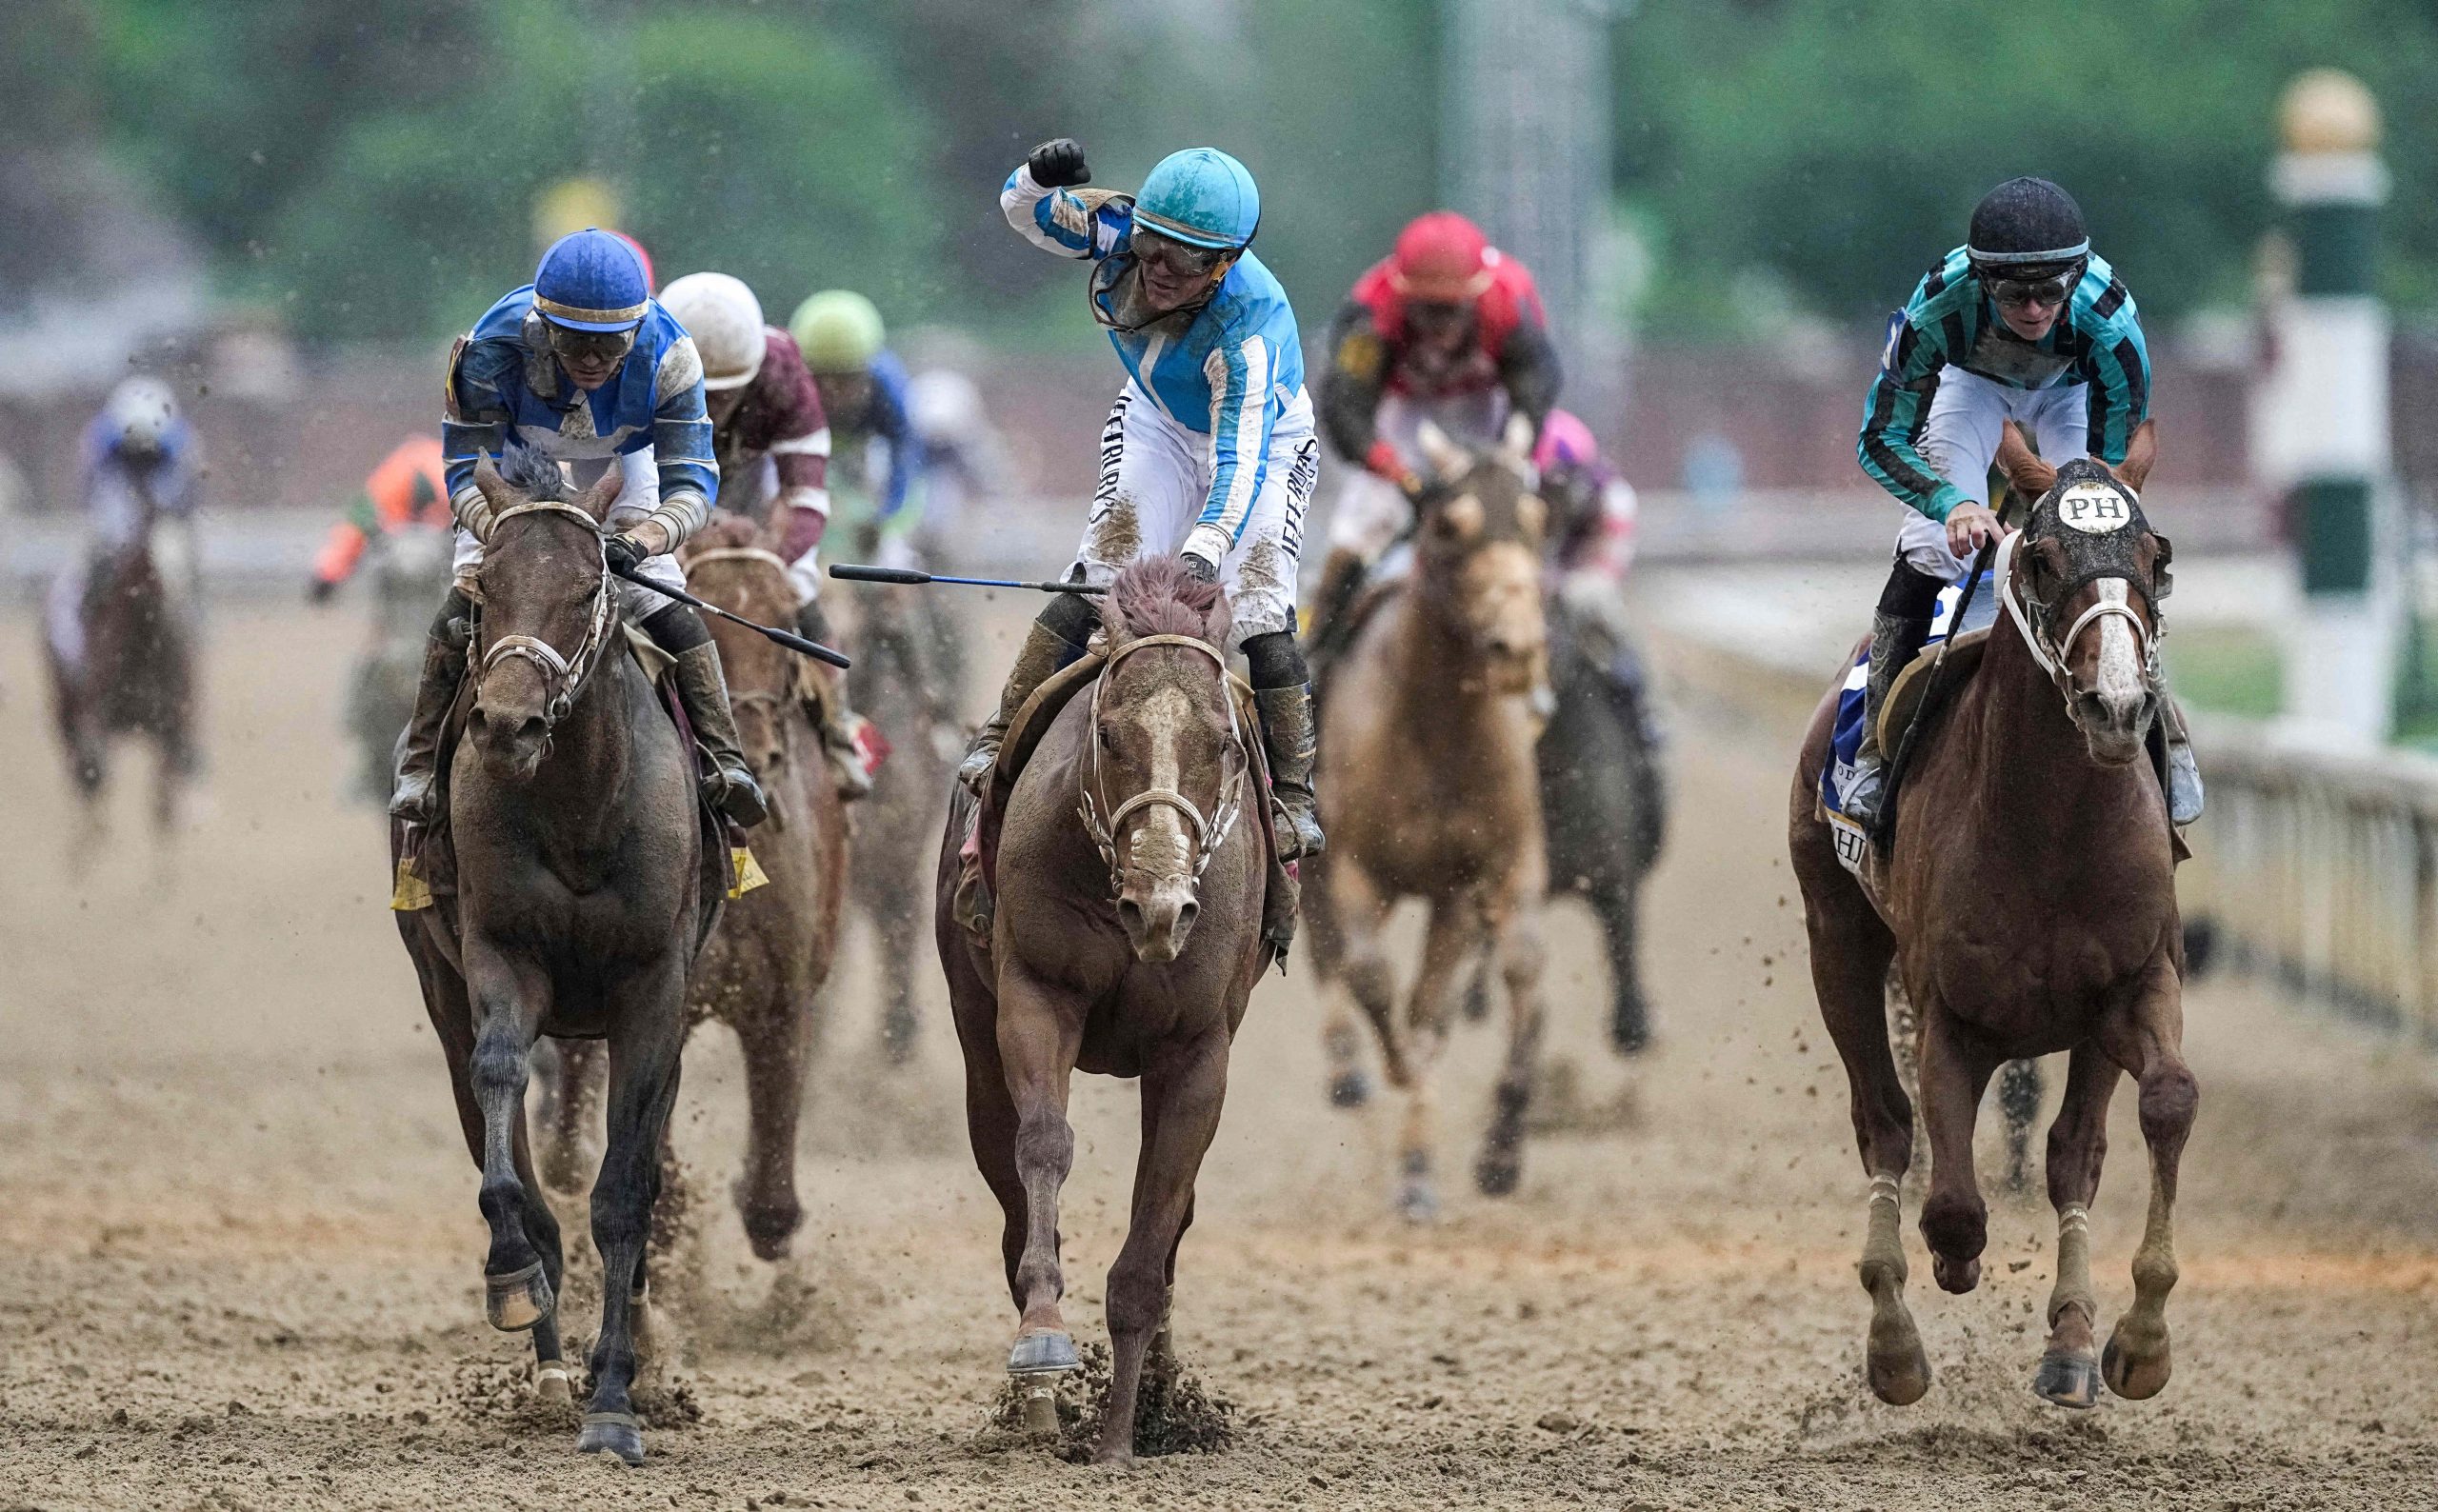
x: 140, y: 412
x: 726, y: 322
x: 943, y: 405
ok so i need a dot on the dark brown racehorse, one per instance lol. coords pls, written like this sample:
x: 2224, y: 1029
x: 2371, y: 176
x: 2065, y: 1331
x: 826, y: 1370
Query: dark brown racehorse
x: 2028, y: 902
x: 131, y: 674
x: 1131, y: 872
x: 1430, y: 790
x: 762, y: 973
x: 580, y: 906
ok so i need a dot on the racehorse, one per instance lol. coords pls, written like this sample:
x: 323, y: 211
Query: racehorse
x: 1132, y: 864
x: 121, y: 655
x: 763, y: 971
x: 2027, y: 899
x: 581, y: 900
x: 1429, y: 789
x: 409, y: 569
x: 909, y: 689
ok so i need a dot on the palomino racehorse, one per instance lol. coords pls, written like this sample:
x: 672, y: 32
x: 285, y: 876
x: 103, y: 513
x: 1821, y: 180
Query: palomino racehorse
x: 581, y: 900
x: 1128, y: 932
x: 2029, y: 901
x: 1429, y: 789
x: 762, y: 972
x: 122, y: 663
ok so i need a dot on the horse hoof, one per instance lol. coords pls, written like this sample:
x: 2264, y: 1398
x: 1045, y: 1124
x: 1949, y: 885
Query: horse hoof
x: 1498, y: 1173
x: 1629, y: 1028
x: 1893, y: 1360
x: 1900, y: 1381
x: 551, y: 1382
x: 1349, y: 1089
x: 1417, y: 1202
x: 611, y: 1433
x: 518, y: 1300
x: 1045, y: 1353
x: 2135, y: 1380
x: 2069, y: 1381
x: 1958, y: 1276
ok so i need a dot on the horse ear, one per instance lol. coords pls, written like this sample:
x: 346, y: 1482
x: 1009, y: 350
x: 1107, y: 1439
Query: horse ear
x: 1515, y: 446
x: 1448, y: 460
x: 1219, y: 621
x: 494, y: 488
x: 596, y: 500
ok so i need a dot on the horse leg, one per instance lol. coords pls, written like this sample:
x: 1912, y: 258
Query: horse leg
x: 1038, y: 1043
x: 775, y: 1045
x: 1521, y: 956
x: 647, y: 1038
x: 1617, y: 904
x: 2151, y: 1047
x: 1955, y: 1221
x: 512, y: 998
x: 1181, y: 1100
x: 1365, y: 978
x: 2019, y: 1101
x: 570, y: 1092
x: 1454, y: 938
x: 2068, y: 1373
x: 1851, y: 949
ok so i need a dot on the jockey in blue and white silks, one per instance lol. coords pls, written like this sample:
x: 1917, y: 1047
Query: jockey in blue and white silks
x: 1209, y: 451
x: 138, y: 464
x: 584, y: 368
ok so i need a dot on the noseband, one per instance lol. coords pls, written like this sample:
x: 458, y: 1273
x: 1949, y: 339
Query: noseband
x: 562, y: 674
x: 1210, y: 831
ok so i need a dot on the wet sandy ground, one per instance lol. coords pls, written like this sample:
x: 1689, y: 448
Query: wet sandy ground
x: 239, y: 1248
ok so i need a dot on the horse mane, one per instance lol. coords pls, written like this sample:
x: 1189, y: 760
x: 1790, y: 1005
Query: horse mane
x: 1157, y: 596
x: 530, y: 474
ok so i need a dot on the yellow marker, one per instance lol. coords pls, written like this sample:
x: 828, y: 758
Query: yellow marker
x: 409, y: 894
x: 747, y: 871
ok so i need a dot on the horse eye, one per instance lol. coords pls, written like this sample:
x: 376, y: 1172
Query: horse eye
x: 1106, y: 735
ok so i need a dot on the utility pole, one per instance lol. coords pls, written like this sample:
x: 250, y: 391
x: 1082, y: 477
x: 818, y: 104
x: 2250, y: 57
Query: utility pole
x: 2324, y: 440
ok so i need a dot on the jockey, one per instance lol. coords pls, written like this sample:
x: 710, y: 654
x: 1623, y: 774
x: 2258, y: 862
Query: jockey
x: 863, y: 386
x: 141, y: 463
x: 1592, y: 512
x: 2023, y: 325
x: 964, y: 459
x: 773, y: 442
x: 1209, y: 451
x: 583, y: 366
x: 409, y: 490
x: 1445, y: 329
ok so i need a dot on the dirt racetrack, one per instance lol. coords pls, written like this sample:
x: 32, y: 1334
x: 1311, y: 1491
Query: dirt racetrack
x: 240, y: 1252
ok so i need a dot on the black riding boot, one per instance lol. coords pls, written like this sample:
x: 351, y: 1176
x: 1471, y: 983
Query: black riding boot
x: 1291, y: 737
x: 704, y: 692
x: 1894, y: 641
x: 1052, y: 640
x: 413, y: 786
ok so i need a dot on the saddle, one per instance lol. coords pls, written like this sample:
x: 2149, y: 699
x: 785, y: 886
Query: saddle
x: 424, y: 857
x: 978, y: 875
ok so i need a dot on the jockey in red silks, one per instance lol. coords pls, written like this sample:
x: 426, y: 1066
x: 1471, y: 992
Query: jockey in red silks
x: 1445, y: 329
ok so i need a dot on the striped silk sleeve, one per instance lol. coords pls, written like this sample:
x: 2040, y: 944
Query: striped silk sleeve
x: 474, y: 426
x: 2118, y: 371
x: 681, y: 444
x: 1242, y: 417
x: 1058, y: 220
x: 1894, y: 416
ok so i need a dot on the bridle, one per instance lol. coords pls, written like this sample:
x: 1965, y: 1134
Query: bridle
x: 562, y: 674
x: 1209, y: 831
x: 2035, y: 623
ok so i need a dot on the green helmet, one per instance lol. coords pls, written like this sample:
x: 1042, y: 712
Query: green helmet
x: 839, y: 330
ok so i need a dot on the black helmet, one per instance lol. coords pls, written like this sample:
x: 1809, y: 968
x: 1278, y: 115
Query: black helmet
x: 2027, y: 230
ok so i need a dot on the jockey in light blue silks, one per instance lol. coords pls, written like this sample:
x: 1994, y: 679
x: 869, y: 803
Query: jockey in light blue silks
x: 583, y: 367
x: 1208, y: 452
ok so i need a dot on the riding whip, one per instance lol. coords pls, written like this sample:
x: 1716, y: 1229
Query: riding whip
x: 793, y: 642
x: 853, y: 573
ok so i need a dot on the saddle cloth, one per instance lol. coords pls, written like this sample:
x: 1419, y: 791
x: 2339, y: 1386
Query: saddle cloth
x: 1904, y: 701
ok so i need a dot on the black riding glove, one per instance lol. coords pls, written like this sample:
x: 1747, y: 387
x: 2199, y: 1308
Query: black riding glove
x: 1200, y: 568
x: 1058, y: 164
x: 624, y: 554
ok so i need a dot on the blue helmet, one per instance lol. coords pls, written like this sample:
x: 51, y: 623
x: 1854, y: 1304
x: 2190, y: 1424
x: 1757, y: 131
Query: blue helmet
x: 1203, y: 196
x: 591, y: 280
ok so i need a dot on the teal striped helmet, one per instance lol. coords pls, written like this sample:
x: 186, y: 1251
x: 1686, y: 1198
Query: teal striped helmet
x: 1201, y: 196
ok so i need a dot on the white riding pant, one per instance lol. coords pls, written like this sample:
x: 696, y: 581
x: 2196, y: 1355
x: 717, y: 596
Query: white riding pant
x: 1155, y: 478
x: 637, y: 497
x: 1960, y: 440
x: 1370, y: 511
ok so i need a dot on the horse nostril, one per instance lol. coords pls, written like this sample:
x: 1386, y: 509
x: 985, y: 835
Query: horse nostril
x: 1129, y: 913
x: 1186, y: 911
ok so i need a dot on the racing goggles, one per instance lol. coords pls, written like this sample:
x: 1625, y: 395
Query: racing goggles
x: 1175, y: 258
x: 2030, y: 288
x: 1436, y: 317
x: 591, y: 348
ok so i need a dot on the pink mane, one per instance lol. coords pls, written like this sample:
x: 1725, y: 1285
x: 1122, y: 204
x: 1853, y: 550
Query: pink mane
x: 1157, y: 596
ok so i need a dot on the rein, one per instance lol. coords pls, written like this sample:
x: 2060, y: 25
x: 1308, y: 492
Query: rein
x: 568, y: 672
x: 1210, y: 831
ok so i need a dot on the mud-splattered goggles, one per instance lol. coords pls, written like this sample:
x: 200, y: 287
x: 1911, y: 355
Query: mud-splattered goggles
x: 591, y: 348
x: 2027, y: 288
x: 1179, y: 259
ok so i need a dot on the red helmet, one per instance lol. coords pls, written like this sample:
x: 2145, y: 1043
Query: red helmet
x: 1442, y: 258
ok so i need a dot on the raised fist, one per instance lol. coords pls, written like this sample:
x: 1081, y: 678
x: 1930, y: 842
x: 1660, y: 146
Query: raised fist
x: 1058, y: 164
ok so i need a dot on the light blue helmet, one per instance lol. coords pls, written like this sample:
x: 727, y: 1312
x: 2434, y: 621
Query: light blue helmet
x: 591, y: 280
x: 1201, y: 196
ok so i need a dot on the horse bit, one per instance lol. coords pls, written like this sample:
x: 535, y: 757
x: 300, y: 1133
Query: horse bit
x: 569, y: 671
x: 1210, y: 832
